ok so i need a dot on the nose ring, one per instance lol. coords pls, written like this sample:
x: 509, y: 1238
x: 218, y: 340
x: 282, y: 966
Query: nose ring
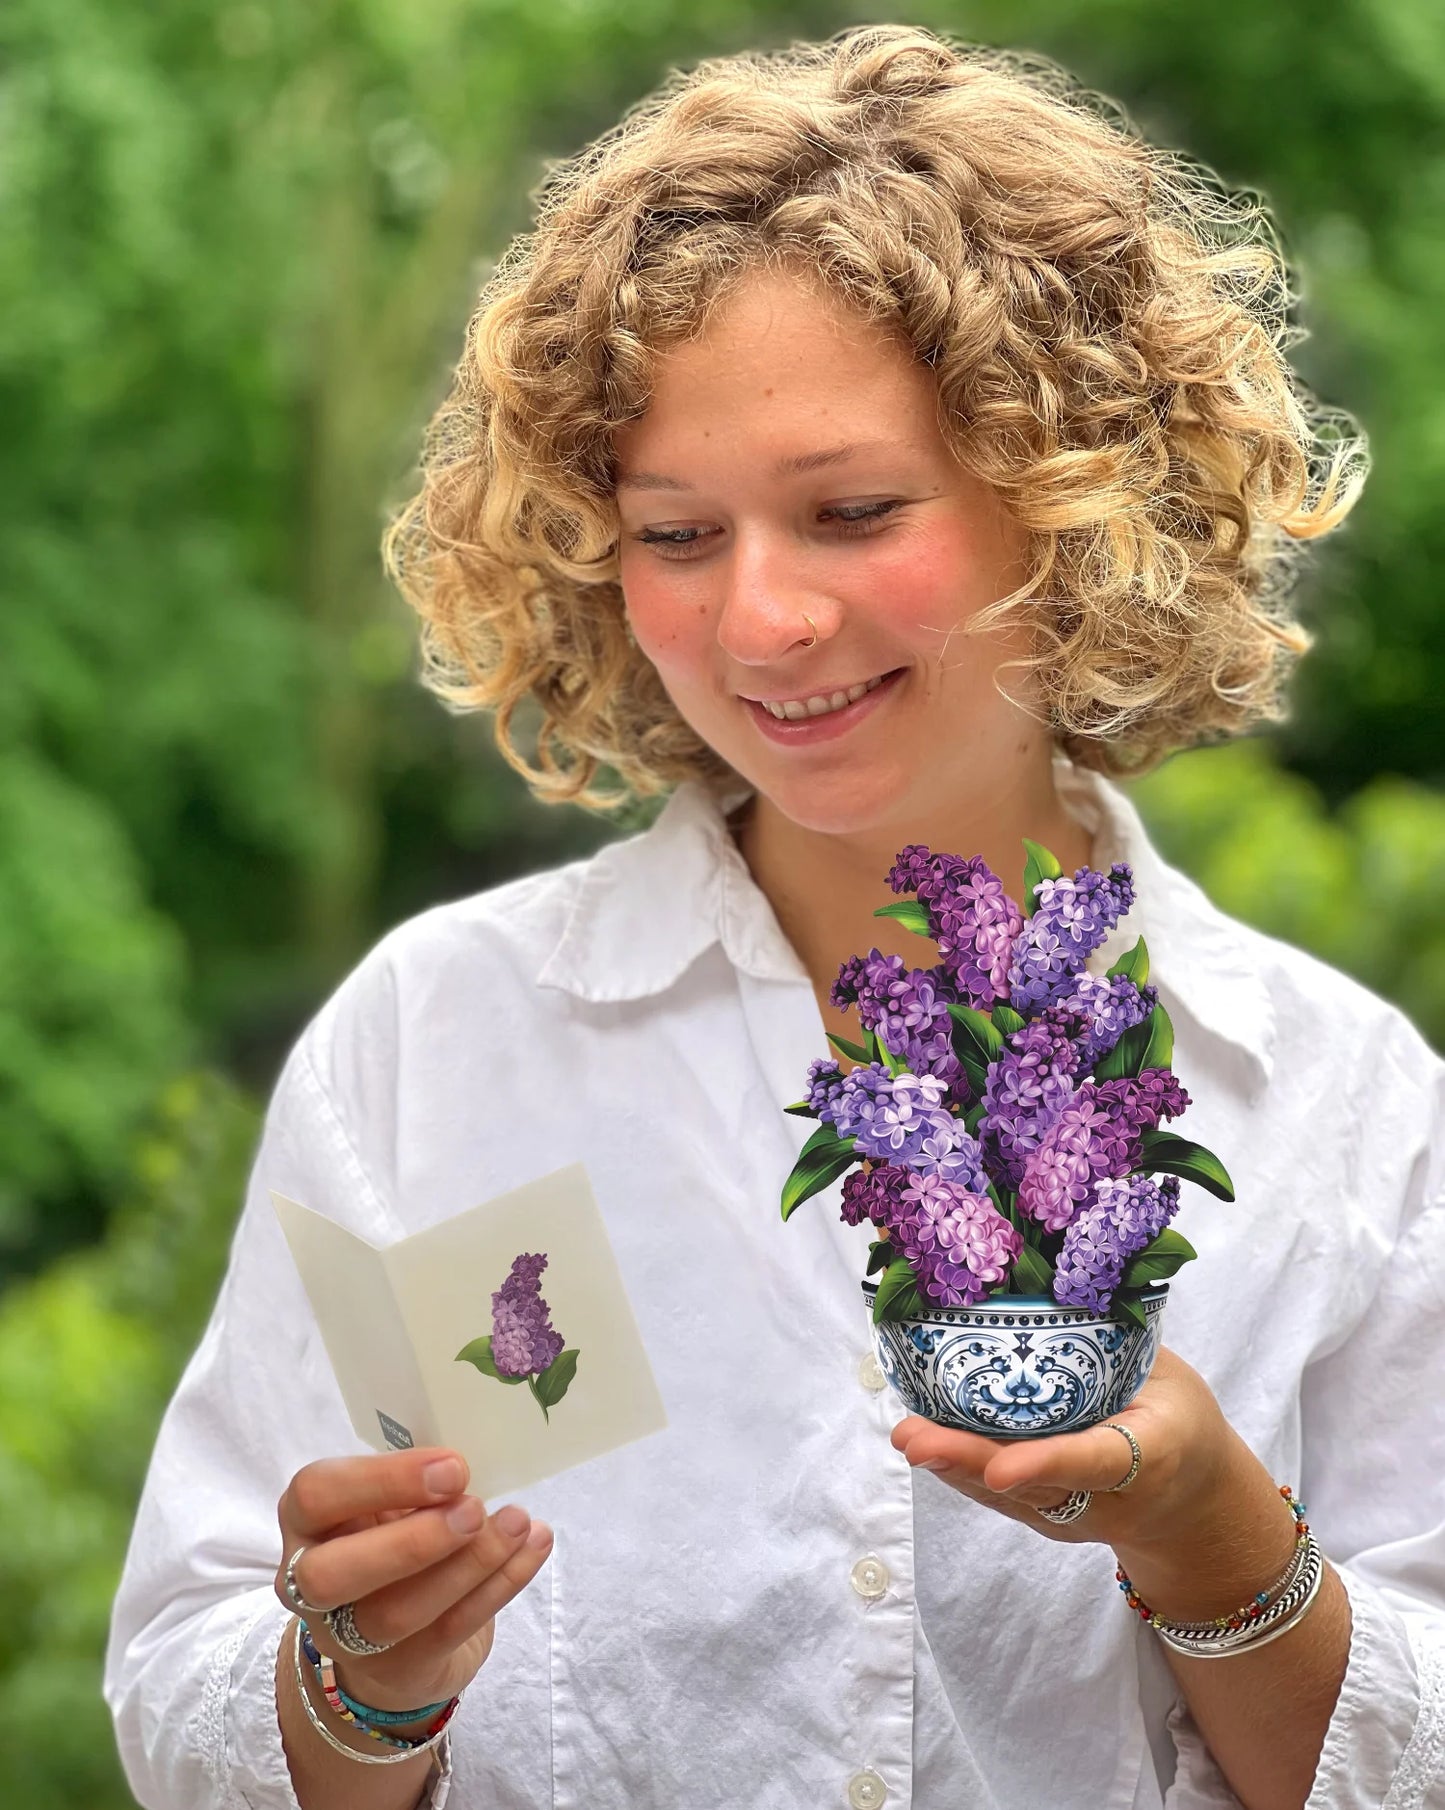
x: 812, y: 625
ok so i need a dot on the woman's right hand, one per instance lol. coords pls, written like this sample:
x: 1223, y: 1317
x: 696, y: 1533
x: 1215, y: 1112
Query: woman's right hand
x: 424, y: 1564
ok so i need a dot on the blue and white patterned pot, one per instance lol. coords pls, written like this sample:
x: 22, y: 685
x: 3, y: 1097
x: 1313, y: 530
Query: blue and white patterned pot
x: 1018, y: 1366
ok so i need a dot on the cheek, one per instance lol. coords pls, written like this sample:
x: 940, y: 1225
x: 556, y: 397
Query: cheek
x: 668, y: 615
x: 935, y: 578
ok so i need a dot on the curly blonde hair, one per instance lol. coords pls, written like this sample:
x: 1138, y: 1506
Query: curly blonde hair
x: 1106, y: 324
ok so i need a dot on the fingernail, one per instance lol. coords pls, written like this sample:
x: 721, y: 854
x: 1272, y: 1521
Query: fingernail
x: 540, y: 1536
x: 467, y: 1516
x: 444, y: 1477
x: 512, y: 1520
x: 935, y: 1464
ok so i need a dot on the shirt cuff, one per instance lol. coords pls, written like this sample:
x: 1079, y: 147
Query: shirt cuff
x: 241, y: 1685
x: 1384, y: 1748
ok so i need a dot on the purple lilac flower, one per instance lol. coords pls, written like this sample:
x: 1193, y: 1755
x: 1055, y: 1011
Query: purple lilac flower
x: 825, y: 1083
x: 1106, y: 1009
x: 907, y: 1007
x: 523, y: 1340
x: 1070, y: 920
x: 958, y: 1242
x: 1098, y: 1135
x: 971, y: 918
x: 1029, y: 1085
x: 1123, y: 1217
x: 874, y: 1194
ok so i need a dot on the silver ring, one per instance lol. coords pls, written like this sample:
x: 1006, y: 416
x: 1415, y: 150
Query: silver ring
x: 1114, y: 1488
x: 293, y: 1589
x: 341, y: 1624
x: 1070, y: 1510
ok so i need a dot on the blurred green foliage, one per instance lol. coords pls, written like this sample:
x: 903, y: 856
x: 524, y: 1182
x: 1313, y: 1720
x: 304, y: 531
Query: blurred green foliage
x: 237, y: 245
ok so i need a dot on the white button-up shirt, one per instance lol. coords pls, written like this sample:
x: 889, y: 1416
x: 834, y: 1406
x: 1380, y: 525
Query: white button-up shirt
x: 763, y: 1606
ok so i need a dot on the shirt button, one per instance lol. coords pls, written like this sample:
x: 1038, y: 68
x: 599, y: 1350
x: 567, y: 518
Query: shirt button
x: 869, y: 1577
x: 869, y: 1373
x: 866, y: 1791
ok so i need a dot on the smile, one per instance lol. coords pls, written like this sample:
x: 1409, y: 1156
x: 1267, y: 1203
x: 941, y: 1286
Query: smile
x: 820, y: 704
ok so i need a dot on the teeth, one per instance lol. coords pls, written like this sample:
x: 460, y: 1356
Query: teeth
x: 797, y: 708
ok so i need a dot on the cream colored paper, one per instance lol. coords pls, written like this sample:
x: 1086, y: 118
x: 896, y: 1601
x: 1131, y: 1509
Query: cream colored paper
x: 393, y: 1321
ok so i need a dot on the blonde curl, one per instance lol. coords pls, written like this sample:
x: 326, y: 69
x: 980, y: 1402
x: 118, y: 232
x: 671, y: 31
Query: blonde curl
x: 1106, y: 323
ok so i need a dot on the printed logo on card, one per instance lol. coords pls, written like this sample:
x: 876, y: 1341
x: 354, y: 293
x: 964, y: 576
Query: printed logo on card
x: 394, y: 1433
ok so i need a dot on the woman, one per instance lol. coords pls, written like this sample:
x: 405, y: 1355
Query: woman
x: 874, y: 445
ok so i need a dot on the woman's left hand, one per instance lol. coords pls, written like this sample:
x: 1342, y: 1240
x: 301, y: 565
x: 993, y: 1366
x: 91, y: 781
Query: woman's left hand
x: 1187, y: 1447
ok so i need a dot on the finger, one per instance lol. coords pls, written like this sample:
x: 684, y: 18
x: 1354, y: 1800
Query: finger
x: 400, y: 1609
x: 946, y: 1449
x: 331, y: 1491
x: 469, y: 1613
x: 349, y: 1566
x: 1096, y: 1459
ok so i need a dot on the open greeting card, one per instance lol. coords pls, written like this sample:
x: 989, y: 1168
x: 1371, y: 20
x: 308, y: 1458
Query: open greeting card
x: 503, y: 1332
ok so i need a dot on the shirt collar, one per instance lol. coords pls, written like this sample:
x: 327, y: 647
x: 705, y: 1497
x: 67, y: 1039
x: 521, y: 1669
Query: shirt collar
x: 650, y: 905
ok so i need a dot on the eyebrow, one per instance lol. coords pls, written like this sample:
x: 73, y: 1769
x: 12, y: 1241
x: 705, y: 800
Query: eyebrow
x: 794, y: 466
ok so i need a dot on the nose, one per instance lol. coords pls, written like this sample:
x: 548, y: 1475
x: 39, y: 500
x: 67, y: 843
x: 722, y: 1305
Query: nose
x: 766, y: 603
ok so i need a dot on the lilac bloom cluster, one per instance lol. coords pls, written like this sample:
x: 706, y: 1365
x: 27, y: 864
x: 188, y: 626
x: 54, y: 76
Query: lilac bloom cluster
x: 1029, y: 1085
x: 523, y: 1340
x: 959, y: 1244
x: 908, y: 1007
x: 894, y: 1118
x: 970, y: 916
x: 1097, y: 1136
x: 1122, y: 1218
x: 1070, y: 920
x: 1106, y: 1009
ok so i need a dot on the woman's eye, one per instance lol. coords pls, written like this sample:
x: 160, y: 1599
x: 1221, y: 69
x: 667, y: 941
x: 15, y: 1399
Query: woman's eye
x: 848, y: 520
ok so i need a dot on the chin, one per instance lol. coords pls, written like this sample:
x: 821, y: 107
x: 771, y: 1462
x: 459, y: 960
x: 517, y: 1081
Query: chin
x: 845, y: 804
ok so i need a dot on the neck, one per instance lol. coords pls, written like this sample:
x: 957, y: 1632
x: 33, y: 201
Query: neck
x: 824, y: 887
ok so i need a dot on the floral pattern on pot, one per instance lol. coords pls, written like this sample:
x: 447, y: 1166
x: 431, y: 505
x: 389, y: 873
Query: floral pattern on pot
x: 1018, y: 1367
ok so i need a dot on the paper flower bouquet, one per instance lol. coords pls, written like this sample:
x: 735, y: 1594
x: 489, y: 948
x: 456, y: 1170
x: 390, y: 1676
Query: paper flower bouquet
x: 1001, y: 1128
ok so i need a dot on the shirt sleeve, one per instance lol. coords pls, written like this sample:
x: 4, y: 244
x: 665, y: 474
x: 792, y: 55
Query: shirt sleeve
x: 190, y: 1665
x: 1373, y: 1483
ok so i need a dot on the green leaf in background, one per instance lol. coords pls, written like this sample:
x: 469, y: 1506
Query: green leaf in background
x: 973, y: 1118
x: 880, y: 1255
x: 909, y: 913
x: 1163, y: 1152
x: 1033, y: 1274
x: 982, y: 1034
x: 1165, y: 1256
x: 1006, y: 1020
x: 801, y: 1110
x: 479, y: 1352
x: 822, y: 1160
x: 1133, y: 964
x: 897, y: 1297
x: 855, y: 1052
x: 1040, y: 865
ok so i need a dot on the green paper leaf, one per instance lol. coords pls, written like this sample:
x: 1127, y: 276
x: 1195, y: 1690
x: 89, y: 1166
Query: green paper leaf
x: 909, y: 913
x: 1133, y: 964
x: 1159, y: 1260
x: 1006, y: 1020
x: 1125, y: 1306
x: 479, y: 1352
x: 1033, y: 1274
x: 1040, y: 865
x: 801, y: 1109
x: 880, y: 1255
x: 822, y: 1160
x: 973, y: 1118
x: 982, y: 1034
x: 1164, y: 1153
x: 870, y: 1043
x: 894, y: 1064
x: 556, y: 1379
x: 1146, y: 1045
x: 855, y: 1052
x: 537, y: 1397
x: 897, y: 1296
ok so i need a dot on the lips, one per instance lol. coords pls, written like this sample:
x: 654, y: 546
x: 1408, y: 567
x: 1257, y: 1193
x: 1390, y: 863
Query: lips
x: 828, y: 724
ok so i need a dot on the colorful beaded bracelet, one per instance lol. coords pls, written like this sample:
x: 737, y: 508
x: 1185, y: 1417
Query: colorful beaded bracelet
x: 1247, y: 1612
x: 347, y: 1708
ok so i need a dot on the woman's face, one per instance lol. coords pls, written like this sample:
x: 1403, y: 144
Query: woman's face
x: 790, y: 465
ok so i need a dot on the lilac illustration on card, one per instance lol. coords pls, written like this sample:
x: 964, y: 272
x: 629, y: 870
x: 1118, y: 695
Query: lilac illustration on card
x: 523, y: 1345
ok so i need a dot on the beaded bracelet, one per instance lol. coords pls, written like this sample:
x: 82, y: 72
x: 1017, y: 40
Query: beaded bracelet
x: 1247, y: 1612
x: 347, y: 1709
x: 441, y: 1740
x: 1277, y: 1620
